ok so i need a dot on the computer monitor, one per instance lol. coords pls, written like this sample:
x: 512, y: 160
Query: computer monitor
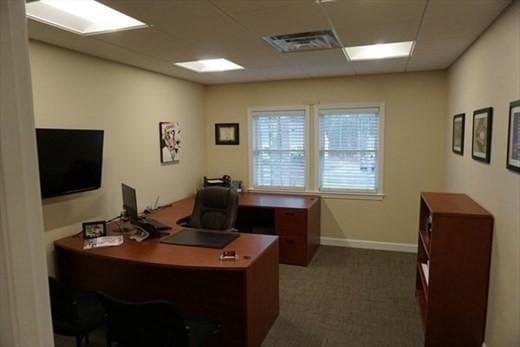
x: 130, y: 203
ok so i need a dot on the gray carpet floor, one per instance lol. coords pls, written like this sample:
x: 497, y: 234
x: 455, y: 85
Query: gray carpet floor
x: 345, y: 297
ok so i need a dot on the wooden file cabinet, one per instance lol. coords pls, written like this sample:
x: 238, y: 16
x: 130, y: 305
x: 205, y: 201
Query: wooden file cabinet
x: 291, y: 227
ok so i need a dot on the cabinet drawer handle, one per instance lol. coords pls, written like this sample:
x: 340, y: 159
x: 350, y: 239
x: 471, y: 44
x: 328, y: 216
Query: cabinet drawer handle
x: 290, y: 213
x: 289, y: 241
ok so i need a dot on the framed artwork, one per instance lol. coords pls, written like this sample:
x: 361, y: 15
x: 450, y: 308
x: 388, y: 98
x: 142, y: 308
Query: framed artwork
x: 513, y: 137
x: 226, y: 134
x: 457, y: 140
x: 482, y: 129
x: 170, y: 140
x: 91, y: 230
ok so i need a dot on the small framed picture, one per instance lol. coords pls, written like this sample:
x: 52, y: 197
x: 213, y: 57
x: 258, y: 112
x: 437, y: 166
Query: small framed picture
x: 92, y: 230
x: 457, y: 140
x: 513, y: 137
x: 170, y: 141
x: 226, y: 134
x: 482, y: 129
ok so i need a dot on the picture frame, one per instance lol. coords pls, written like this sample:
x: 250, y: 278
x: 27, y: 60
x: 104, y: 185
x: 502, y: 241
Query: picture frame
x: 457, y: 140
x: 169, y: 141
x: 513, y: 137
x: 227, y: 134
x: 482, y: 131
x: 92, y: 230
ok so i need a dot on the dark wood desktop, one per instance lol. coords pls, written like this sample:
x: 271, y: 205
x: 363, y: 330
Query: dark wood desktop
x: 242, y: 295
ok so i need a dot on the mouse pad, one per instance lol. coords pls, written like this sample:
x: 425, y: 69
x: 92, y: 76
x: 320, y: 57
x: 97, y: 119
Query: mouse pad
x: 201, y: 238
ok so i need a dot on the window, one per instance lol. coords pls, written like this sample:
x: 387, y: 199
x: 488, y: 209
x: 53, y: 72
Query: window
x: 278, y: 149
x: 349, y: 141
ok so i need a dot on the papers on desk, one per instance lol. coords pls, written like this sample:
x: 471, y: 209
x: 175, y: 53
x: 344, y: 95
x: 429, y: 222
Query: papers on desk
x: 215, y: 181
x: 104, y: 241
x: 139, y: 234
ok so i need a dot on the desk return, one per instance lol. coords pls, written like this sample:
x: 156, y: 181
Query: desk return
x: 295, y: 219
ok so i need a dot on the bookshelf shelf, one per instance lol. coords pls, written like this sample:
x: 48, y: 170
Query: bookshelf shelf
x: 425, y: 240
x: 424, y: 284
x: 454, y: 251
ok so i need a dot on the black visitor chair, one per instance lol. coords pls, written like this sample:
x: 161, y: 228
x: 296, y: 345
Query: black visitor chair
x: 154, y: 323
x: 74, y: 312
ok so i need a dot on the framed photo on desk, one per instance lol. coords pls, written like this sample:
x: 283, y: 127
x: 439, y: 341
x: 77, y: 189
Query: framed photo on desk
x: 92, y: 230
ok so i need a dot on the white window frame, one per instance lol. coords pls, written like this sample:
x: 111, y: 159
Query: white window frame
x: 350, y: 193
x: 250, y: 111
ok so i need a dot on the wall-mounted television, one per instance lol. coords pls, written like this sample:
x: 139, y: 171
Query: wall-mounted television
x: 70, y: 160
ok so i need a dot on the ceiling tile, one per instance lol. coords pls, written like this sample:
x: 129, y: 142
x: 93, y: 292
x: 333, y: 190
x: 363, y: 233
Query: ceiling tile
x: 266, y: 18
x: 379, y: 66
x: 151, y: 41
x: 196, y: 29
x: 445, y: 19
x: 438, y: 54
x: 264, y: 74
x: 91, y: 45
x: 328, y: 56
x: 362, y: 22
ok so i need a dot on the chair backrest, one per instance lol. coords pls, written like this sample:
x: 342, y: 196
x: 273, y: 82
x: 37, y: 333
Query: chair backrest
x: 215, y: 208
x: 154, y: 323
x: 62, y: 303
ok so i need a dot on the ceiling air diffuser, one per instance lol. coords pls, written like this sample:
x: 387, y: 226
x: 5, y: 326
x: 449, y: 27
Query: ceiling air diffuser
x: 299, y: 42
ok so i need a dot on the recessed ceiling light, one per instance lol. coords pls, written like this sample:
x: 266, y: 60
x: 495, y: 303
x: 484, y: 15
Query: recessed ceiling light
x: 84, y: 17
x: 380, y: 51
x: 209, y: 65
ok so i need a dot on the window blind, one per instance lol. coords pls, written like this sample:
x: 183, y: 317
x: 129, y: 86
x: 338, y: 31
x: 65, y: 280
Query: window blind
x: 278, y: 149
x: 349, y: 149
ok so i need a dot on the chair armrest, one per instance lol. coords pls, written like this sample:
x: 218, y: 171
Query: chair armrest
x: 230, y: 230
x: 184, y: 222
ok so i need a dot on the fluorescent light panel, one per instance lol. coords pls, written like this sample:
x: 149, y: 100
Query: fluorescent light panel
x: 380, y: 51
x: 210, y: 65
x: 84, y: 17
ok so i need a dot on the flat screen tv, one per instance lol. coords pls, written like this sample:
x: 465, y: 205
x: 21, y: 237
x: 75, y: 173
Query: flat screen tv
x: 70, y: 160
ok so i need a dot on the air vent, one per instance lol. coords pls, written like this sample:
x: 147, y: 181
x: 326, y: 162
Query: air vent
x: 310, y: 41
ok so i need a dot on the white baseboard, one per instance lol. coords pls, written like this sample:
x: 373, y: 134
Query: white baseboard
x: 384, y: 246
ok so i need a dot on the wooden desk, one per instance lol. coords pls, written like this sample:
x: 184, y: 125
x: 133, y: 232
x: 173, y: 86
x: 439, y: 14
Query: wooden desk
x: 294, y: 218
x: 242, y: 295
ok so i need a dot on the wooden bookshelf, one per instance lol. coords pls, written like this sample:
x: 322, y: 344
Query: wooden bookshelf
x: 456, y: 250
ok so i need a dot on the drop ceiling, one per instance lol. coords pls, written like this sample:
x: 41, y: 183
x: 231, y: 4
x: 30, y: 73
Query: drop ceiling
x: 184, y: 30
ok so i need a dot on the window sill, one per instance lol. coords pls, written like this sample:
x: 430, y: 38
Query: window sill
x: 324, y: 195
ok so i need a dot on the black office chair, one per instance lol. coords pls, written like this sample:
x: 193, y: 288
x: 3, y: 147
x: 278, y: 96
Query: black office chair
x: 154, y: 323
x: 74, y: 312
x: 215, y: 208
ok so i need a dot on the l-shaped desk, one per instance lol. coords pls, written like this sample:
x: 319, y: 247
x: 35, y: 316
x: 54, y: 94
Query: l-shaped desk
x: 242, y: 295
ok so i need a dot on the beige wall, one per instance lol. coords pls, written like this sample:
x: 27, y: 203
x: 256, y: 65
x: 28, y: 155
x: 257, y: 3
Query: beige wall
x: 488, y: 75
x: 72, y: 90
x: 415, y: 108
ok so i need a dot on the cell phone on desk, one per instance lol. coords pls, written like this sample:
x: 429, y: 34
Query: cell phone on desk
x: 229, y: 255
